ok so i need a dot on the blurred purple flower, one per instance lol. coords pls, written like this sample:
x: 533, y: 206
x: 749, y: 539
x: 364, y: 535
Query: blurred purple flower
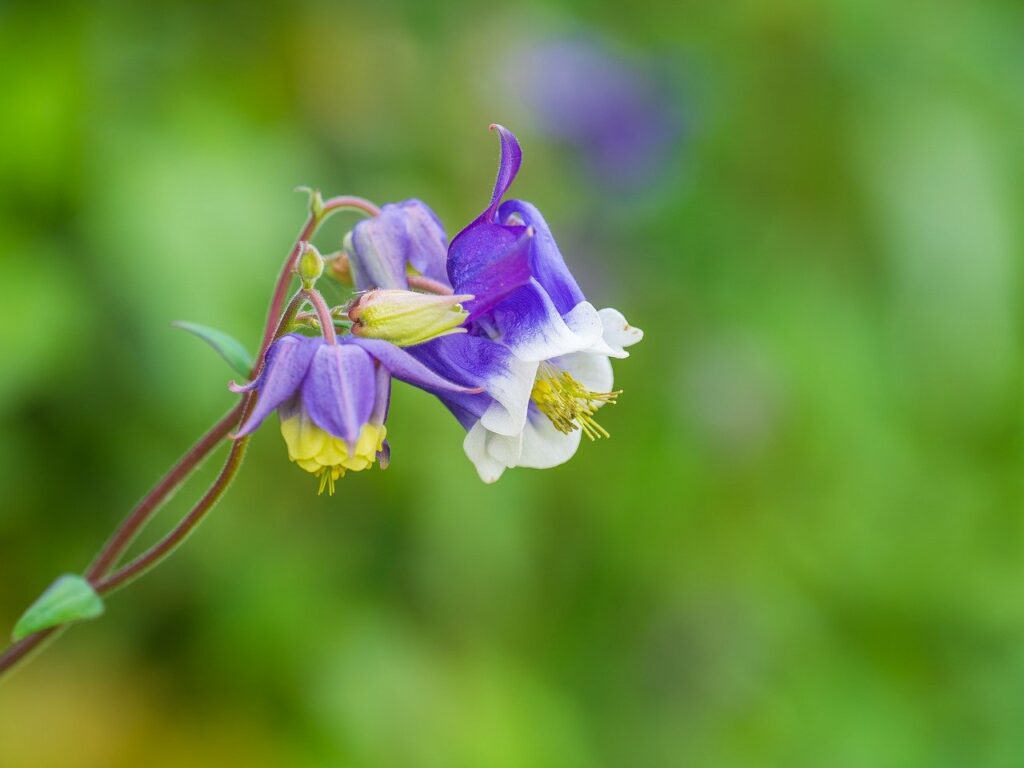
x: 622, y: 113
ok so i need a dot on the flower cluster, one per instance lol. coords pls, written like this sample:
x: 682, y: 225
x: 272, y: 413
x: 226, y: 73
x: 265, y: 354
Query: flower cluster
x: 494, y: 325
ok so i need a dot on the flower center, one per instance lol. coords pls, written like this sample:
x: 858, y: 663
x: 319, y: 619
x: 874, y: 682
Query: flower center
x: 567, y: 403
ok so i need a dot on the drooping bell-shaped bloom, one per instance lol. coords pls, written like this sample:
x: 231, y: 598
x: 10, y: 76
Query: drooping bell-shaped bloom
x: 536, y: 346
x: 333, y: 400
x: 404, y: 236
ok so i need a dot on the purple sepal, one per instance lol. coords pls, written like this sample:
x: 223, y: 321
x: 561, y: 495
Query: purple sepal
x: 467, y: 360
x: 404, y: 366
x: 528, y: 318
x: 467, y: 409
x: 508, y: 167
x: 382, y: 395
x: 546, y: 262
x: 464, y: 359
x: 287, y: 362
x: 339, y: 390
x: 428, y: 243
x: 489, y: 261
x: 406, y: 233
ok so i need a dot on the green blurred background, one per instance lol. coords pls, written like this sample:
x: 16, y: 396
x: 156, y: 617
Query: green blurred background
x: 802, y: 546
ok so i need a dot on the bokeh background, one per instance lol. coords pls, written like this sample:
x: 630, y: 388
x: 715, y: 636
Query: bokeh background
x: 804, y: 543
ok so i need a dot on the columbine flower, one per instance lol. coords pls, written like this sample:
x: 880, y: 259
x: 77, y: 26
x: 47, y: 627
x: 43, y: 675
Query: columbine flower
x: 333, y: 400
x: 404, y: 236
x: 537, y: 347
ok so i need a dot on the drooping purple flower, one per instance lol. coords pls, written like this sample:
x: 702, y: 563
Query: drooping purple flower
x: 333, y: 399
x: 404, y: 235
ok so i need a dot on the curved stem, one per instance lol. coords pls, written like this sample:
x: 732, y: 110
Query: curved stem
x: 323, y: 314
x: 130, y: 527
x: 160, y: 551
x: 23, y: 648
x: 424, y: 283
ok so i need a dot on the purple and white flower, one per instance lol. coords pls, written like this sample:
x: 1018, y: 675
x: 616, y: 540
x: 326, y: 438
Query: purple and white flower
x: 535, y: 344
x: 333, y: 400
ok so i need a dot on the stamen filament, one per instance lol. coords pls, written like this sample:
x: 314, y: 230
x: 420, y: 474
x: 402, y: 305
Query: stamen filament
x: 568, y: 404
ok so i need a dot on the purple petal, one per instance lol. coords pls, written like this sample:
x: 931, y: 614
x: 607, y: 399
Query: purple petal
x: 382, y: 401
x: 467, y: 409
x: 287, y: 363
x: 489, y: 261
x: 508, y: 167
x: 546, y: 262
x: 428, y: 243
x: 405, y: 367
x: 339, y: 390
x: 467, y: 360
x: 529, y: 323
x: 404, y: 233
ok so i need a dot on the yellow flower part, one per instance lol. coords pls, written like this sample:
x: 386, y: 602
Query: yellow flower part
x: 326, y: 456
x: 567, y: 403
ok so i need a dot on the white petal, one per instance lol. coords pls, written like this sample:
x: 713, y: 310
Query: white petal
x: 475, y: 446
x: 505, y: 449
x: 592, y: 371
x: 616, y: 334
x: 511, y: 392
x: 544, y: 446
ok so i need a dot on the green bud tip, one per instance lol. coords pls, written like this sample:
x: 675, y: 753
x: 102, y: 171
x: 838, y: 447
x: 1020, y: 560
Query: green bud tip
x: 311, y: 265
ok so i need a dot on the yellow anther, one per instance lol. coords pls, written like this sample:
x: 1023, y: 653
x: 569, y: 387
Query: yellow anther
x: 567, y: 403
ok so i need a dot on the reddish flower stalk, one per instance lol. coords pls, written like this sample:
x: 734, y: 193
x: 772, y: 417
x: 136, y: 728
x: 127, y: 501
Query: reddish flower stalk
x: 98, y: 573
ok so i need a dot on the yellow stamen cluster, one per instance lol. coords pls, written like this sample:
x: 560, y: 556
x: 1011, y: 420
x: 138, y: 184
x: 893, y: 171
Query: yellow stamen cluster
x: 328, y: 457
x: 567, y: 403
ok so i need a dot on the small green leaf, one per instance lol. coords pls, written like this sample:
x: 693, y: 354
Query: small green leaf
x: 69, y: 598
x: 227, y: 347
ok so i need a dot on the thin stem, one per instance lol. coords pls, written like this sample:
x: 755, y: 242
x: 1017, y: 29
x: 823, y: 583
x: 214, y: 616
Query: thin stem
x: 323, y: 313
x: 316, y: 218
x: 130, y: 527
x: 23, y: 648
x: 424, y: 283
x: 162, y: 549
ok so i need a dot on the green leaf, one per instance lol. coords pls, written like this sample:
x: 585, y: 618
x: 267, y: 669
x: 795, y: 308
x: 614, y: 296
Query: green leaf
x: 69, y: 598
x: 227, y: 347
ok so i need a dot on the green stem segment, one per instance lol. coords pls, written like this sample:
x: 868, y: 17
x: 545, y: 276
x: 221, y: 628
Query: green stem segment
x: 98, y: 573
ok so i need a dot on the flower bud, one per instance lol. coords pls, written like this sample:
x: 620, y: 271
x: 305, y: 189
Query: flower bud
x: 311, y: 265
x: 405, y: 318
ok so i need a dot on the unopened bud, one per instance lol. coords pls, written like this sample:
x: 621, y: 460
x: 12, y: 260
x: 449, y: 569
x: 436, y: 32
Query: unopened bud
x: 311, y: 265
x: 406, y: 318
